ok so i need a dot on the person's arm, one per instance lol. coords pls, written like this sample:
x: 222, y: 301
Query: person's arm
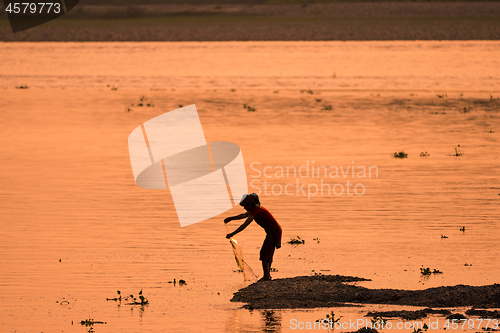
x: 237, y: 217
x: 241, y: 227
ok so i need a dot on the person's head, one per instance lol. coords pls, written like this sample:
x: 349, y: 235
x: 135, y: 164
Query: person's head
x: 250, y: 201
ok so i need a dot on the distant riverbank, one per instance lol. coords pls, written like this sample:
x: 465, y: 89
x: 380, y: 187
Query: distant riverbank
x: 332, y: 21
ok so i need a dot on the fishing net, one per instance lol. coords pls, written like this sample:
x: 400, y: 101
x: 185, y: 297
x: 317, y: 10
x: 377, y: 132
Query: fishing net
x: 248, y: 274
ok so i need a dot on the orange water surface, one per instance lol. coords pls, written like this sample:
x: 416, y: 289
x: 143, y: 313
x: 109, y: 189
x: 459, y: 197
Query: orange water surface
x: 75, y: 228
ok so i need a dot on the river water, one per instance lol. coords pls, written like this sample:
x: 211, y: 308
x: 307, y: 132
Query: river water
x: 75, y: 228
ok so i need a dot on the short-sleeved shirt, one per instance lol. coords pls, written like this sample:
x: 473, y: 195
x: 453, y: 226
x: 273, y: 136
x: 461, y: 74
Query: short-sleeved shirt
x: 267, y: 221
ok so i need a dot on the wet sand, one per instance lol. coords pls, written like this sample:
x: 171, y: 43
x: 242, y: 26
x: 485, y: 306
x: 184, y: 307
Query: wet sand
x: 336, y: 290
x: 336, y: 21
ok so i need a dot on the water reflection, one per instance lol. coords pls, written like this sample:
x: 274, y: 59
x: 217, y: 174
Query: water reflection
x: 271, y: 321
x: 236, y: 322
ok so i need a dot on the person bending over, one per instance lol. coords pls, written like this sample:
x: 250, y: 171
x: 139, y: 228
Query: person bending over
x: 265, y: 219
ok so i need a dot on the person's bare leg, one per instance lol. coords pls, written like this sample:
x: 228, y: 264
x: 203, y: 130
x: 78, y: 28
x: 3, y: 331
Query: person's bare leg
x: 266, y: 267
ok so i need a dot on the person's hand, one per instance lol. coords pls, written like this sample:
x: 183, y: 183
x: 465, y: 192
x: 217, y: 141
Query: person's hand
x: 227, y: 219
x: 228, y: 236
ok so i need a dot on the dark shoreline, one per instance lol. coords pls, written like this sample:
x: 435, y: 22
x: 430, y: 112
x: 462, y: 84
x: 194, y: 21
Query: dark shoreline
x: 331, y: 21
x: 336, y: 291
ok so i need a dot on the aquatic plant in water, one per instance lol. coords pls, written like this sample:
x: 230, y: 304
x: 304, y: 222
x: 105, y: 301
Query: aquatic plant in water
x: 378, y: 319
x: 296, y: 241
x: 143, y: 101
x: 330, y: 318
x: 134, y: 301
x: 248, y: 107
x: 427, y: 271
x: 89, y: 323
x: 401, y: 154
x: 181, y: 282
x: 420, y: 330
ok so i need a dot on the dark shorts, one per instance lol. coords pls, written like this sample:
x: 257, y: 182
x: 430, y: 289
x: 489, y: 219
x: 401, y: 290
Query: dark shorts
x: 267, y: 250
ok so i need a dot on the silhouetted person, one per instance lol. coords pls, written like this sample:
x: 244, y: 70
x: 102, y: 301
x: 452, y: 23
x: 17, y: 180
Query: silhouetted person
x: 266, y: 220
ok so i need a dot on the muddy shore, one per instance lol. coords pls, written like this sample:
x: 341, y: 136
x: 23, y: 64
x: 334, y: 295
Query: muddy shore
x: 332, y: 21
x: 335, y: 291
